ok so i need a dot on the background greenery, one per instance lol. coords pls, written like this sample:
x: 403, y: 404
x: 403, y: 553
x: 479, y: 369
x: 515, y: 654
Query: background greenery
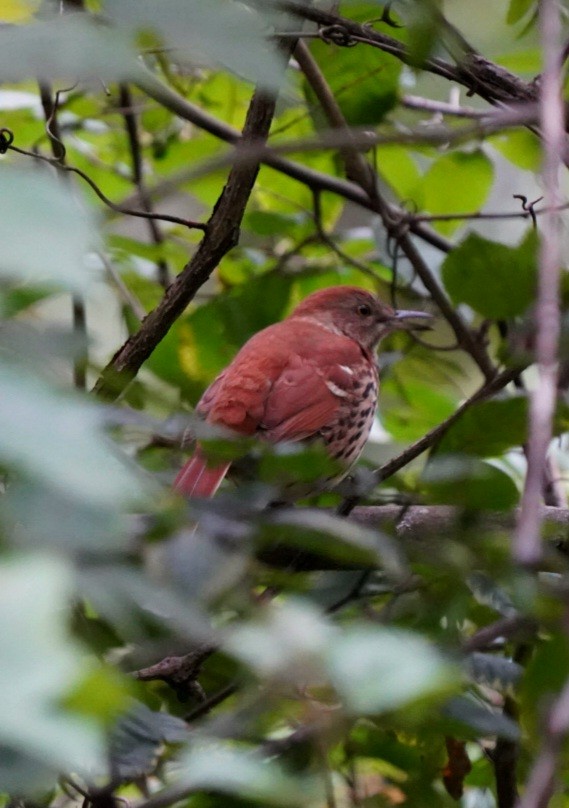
x: 284, y: 656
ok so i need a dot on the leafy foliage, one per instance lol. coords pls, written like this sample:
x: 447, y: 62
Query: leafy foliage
x: 230, y: 652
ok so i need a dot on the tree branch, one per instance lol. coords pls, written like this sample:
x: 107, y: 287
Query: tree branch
x: 221, y: 235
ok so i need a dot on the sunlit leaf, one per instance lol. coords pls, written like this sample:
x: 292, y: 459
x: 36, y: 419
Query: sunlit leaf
x: 458, y: 182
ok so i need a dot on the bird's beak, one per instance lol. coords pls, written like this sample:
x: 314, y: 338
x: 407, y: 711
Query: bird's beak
x: 404, y: 319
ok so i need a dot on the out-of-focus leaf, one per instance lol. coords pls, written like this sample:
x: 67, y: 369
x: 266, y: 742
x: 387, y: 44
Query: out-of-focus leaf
x: 398, y: 168
x: 458, y: 182
x: 63, y: 231
x: 497, y: 281
x: 479, y: 717
x: 17, y: 10
x: 68, y: 47
x: 228, y: 768
x: 521, y: 147
x: 488, y: 593
x: 488, y: 428
x: 365, y: 84
x: 518, y: 9
x: 289, y: 643
x: 138, y: 737
x: 39, y: 666
x: 494, y: 671
x: 380, y: 669
x: 410, y: 407
x: 468, y: 483
x: 230, y: 34
x: 59, y: 440
x: 333, y: 537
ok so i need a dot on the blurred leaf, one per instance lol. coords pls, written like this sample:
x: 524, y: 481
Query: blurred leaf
x: 18, y: 10
x: 397, y: 167
x: 468, y: 483
x: 68, y: 47
x: 497, y: 281
x: 102, y: 694
x: 494, y: 671
x: 521, y: 147
x: 410, y: 407
x: 229, y: 768
x: 288, y: 642
x: 382, y: 669
x: 333, y: 537
x: 481, y: 718
x: 230, y: 33
x: 59, y: 440
x: 472, y: 174
x: 488, y: 593
x: 488, y: 428
x: 364, y: 82
x: 63, y: 231
x: 39, y: 666
x: 137, y: 739
x: 518, y: 9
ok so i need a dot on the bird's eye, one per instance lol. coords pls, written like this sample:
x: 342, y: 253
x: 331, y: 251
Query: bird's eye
x: 364, y: 310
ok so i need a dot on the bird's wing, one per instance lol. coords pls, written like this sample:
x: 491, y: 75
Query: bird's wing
x: 303, y: 399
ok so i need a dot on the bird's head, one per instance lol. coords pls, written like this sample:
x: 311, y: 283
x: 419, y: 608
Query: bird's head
x: 357, y: 314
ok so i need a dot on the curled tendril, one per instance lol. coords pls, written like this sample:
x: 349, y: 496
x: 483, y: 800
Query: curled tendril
x: 528, y: 207
x: 6, y: 139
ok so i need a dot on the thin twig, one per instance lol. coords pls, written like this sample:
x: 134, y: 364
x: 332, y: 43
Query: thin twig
x: 164, y: 217
x: 131, y: 126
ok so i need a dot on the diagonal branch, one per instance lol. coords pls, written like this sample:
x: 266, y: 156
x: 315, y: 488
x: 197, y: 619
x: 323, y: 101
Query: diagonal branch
x: 361, y: 172
x: 222, y: 234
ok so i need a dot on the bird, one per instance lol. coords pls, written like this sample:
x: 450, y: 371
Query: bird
x: 311, y: 376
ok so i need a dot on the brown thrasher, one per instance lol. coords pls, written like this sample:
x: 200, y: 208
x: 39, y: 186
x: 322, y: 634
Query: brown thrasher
x: 314, y: 375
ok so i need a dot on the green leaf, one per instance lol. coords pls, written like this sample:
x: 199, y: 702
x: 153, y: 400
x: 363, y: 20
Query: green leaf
x: 495, y: 280
x: 518, y: 9
x: 400, y: 170
x: 59, y: 440
x: 137, y: 738
x: 63, y: 232
x: 410, y: 407
x: 38, y: 667
x: 469, y: 483
x: 230, y: 34
x: 229, y: 768
x: 364, y: 81
x: 494, y: 671
x: 458, y: 182
x: 521, y: 147
x: 481, y: 718
x: 70, y: 46
x: 488, y: 428
x: 382, y: 669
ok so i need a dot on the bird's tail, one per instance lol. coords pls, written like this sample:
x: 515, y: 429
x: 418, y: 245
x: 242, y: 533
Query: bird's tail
x: 197, y: 479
